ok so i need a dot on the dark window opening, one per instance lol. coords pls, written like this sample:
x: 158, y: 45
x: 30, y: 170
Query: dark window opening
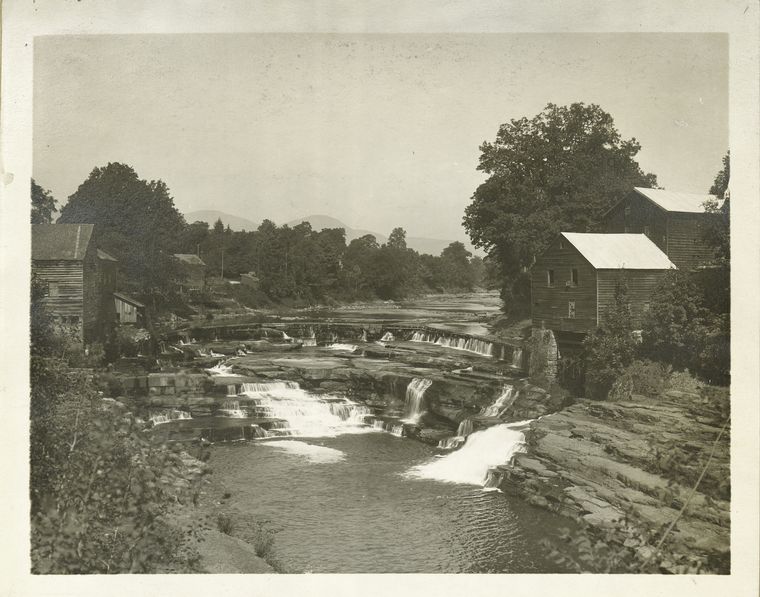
x: 550, y: 278
x: 574, y: 277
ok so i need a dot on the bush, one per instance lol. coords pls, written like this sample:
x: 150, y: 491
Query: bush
x: 225, y: 523
x: 640, y: 377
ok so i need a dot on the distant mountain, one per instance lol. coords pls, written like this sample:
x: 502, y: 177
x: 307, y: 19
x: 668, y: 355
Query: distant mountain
x: 432, y: 246
x: 211, y: 216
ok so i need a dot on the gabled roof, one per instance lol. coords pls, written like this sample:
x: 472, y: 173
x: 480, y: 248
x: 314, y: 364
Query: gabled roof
x: 128, y: 299
x: 105, y: 256
x: 60, y: 242
x: 676, y: 201
x: 189, y: 258
x: 619, y: 251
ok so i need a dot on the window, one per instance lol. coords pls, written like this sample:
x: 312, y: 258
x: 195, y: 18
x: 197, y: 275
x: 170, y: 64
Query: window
x: 550, y: 278
x: 571, y: 310
x: 574, y: 277
x: 646, y: 230
x: 53, y: 289
x: 627, y: 211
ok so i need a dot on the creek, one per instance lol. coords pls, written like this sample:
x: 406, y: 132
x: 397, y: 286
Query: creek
x: 334, y: 404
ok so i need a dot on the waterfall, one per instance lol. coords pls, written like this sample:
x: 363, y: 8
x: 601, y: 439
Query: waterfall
x: 221, y: 368
x: 476, y: 345
x: 285, y: 336
x: 387, y: 337
x: 306, y: 414
x: 231, y: 409
x: 169, y: 416
x: 311, y: 339
x: 363, y: 337
x: 231, y: 390
x: 464, y: 429
x: 471, y: 464
x: 503, y: 402
x: 415, y: 393
x: 348, y: 347
x: 517, y: 357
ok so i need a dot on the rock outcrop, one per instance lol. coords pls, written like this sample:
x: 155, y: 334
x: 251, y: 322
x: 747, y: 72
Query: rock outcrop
x: 601, y: 461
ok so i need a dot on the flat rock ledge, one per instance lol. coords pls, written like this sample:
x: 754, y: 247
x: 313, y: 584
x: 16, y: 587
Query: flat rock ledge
x: 598, y: 461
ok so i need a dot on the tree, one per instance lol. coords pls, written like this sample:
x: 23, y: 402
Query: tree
x: 558, y: 171
x: 678, y: 329
x: 611, y: 347
x: 137, y: 222
x: 455, y: 268
x: 43, y: 205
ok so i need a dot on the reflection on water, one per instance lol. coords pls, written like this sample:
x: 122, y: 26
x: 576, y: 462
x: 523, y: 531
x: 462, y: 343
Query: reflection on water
x: 343, y: 505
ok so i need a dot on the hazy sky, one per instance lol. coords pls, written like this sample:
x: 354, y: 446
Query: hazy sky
x: 376, y: 130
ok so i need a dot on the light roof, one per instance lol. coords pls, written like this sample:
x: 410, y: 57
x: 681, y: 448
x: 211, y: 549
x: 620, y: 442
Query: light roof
x: 619, y: 251
x: 677, y: 201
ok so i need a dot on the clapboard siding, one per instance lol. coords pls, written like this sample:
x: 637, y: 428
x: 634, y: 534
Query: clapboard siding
x: 550, y: 305
x: 679, y: 235
x: 64, y: 286
x: 686, y: 245
x: 642, y: 217
x: 640, y: 284
x: 92, y: 297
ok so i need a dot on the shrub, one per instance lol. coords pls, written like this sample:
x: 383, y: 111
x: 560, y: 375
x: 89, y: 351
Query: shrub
x: 225, y: 523
x: 640, y: 377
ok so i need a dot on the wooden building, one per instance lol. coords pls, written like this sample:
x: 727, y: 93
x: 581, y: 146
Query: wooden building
x: 79, y: 278
x: 128, y: 310
x: 573, y: 281
x: 194, y: 270
x: 675, y: 222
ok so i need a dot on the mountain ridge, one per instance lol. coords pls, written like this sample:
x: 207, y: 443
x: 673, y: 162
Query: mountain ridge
x: 431, y: 246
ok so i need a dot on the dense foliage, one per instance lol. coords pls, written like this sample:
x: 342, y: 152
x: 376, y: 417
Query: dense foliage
x: 43, y: 205
x: 135, y: 221
x: 611, y: 347
x: 99, y: 489
x: 560, y: 170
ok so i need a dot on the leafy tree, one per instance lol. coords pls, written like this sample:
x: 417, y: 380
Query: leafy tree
x: 611, y: 347
x: 557, y: 171
x: 397, y: 239
x: 43, y: 205
x: 678, y: 329
x: 137, y: 222
x: 456, y: 271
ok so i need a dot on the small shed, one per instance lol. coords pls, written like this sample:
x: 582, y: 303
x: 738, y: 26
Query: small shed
x: 573, y: 281
x: 128, y: 310
x: 194, y: 269
x: 674, y: 221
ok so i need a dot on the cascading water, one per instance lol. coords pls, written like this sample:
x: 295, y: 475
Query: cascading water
x: 169, y: 416
x: 471, y: 463
x: 221, y: 368
x: 363, y: 336
x: 468, y: 344
x: 387, y: 337
x: 464, y: 429
x: 231, y: 409
x: 340, y: 346
x: 231, y: 390
x: 311, y: 339
x: 415, y: 394
x: 517, y: 357
x: 503, y: 401
x: 306, y: 414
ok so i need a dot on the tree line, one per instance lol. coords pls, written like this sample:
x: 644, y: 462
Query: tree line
x: 136, y: 221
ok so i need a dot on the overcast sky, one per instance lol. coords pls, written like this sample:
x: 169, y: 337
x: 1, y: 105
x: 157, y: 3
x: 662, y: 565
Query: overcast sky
x: 376, y: 130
